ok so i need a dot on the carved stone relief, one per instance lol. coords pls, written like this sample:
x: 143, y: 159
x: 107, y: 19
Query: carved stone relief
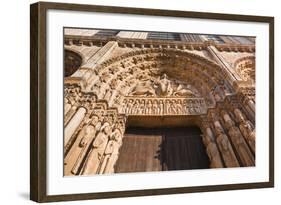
x: 163, y: 106
x: 158, y: 82
x: 245, y: 67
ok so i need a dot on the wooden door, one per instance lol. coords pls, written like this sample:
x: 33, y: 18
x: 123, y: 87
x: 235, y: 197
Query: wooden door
x: 158, y: 149
x: 140, y: 151
x: 183, y: 149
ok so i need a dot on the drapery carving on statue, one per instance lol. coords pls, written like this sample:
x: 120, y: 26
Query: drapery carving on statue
x: 212, y: 150
x: 225, y: 146
x: 242, y: 148
x: 98, y: 147
x: 121, y: 124
x: 81, y: 145
x: 95, y: 123
x: 164, y: 87
x: 238, y: 141
x: 143, y: 88
x: 111, y: 152
x: 240, y: 118
x: 247, y: 129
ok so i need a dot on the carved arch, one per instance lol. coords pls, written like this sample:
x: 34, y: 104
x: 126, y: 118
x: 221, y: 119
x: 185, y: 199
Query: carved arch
x: 117, y: 76
x: 245, y: 67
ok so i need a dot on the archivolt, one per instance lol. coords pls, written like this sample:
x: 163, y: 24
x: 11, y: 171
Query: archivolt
x: 245, y: 67
x: 116, y: 77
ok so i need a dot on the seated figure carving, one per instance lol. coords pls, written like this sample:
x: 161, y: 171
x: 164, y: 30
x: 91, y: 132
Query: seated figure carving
x: 144, y: 88
x: 161, y: 87
x: 183, y: 91
x: 164, y: 87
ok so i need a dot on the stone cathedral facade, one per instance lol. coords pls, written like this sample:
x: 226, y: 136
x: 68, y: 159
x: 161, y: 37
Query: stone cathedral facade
x: 115, y: 80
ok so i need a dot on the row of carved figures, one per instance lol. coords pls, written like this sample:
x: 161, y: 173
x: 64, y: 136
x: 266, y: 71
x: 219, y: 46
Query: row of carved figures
x: 160, y: 106
x: 93, y: 147
x: 230, y: 142
x: 91, y: 141
x: 94, y: 150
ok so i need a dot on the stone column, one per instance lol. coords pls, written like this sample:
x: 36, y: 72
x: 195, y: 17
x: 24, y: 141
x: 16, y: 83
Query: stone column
x: 211, y: 148
x: 93, y: 161
x: 68, y: 115
x: 73, y: 124
x: 247, y: 129
x: 225, y: 147
x: 238, y: 141
x: 67, y: 106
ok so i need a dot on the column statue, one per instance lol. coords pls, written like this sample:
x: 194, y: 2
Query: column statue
x: 238, y: 141
x: 111, y: 152
x: 212, y: 150
x: 73, y: 124
x: 82, y: 144
x: 93, y: 160
x: 246, y: 128
x: 225, y: 147
x: 68, y: 115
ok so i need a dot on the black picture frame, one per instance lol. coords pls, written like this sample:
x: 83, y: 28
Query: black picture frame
x: 38, y: 102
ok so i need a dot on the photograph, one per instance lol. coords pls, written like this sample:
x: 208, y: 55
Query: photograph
x: 150, y: 101
x: 129, y: 101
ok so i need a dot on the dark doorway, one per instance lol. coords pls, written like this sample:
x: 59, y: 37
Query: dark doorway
x: 161, y: 149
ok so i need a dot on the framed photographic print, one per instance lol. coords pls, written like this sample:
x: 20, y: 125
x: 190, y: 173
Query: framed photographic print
x: 134, y: 102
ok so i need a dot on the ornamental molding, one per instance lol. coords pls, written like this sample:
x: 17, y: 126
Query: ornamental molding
x: 145, y: 43
x: 245, y: 67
